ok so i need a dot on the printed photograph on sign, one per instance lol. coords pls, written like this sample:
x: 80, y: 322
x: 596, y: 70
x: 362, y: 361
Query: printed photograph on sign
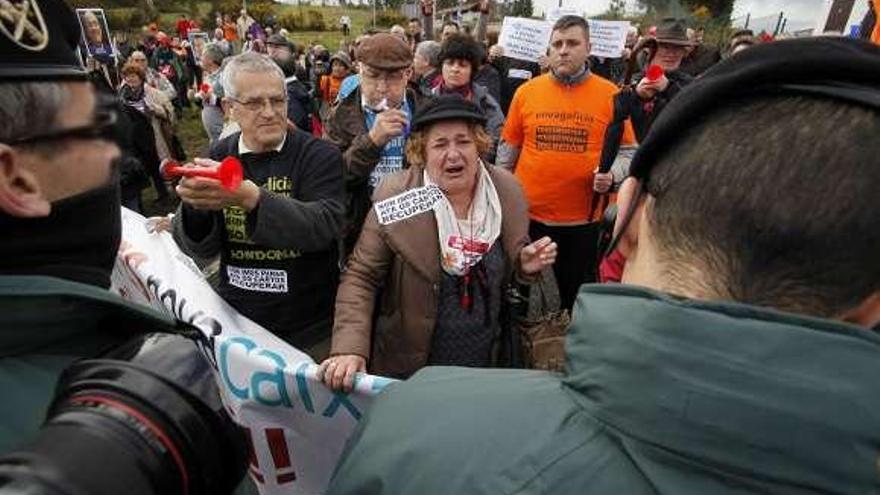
x: 95, y: 41
x: 198, y: 40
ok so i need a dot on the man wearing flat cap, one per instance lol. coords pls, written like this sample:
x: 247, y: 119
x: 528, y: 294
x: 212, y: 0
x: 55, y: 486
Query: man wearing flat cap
x: 370, y: 125
x: 738, y: 355
x: 59, y: 216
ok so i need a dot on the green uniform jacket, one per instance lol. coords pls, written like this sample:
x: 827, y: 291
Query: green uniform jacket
x: 47, y: 323
x: 661, y: 396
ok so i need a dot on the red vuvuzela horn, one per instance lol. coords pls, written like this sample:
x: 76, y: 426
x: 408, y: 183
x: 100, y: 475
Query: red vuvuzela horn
x: 229, y: 172
x: 654, y: 73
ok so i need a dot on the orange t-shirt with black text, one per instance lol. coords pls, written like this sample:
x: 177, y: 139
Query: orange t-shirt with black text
x: 560, y: 131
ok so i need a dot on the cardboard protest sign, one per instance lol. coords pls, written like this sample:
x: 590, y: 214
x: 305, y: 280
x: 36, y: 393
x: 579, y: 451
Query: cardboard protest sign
x: 608, y: 38
x: 524, y: 39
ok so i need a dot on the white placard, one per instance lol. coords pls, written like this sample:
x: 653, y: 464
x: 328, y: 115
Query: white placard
x: 525, y: 39
x: 407, y: 204
x: 608, y: 38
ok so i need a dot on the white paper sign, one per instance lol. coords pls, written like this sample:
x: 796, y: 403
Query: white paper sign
x: 407, y: 204
x: 297, y: 427
x: 556, y: 13
x: 524, y: 39
x: 608, y: 38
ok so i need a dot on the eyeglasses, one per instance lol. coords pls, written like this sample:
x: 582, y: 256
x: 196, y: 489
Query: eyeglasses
x: 103, y: 128
x: 277, y: 103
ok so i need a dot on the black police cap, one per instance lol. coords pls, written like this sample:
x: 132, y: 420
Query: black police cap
x: 446, y: 107
x: 38, y: 40
x: 841, y: 69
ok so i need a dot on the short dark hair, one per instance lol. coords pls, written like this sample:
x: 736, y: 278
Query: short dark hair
x: 776, y: 212
x: 450, y: 23
x: 570, y: 21
x: 462, y: 47
x: 415, y: 19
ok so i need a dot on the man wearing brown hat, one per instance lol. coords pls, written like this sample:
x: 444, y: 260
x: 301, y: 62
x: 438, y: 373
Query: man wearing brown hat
x: 370, y: 124
x: 652, y: 95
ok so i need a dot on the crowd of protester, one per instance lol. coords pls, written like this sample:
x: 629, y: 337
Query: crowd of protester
x: 359, y: 107
x: 396, y: 188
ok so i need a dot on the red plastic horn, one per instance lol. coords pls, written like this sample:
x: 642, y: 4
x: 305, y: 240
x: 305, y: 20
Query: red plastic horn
x: 654, y: 73
x: 229, y: 173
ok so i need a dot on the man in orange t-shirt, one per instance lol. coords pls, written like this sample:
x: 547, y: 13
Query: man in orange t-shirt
x: 553, y: 140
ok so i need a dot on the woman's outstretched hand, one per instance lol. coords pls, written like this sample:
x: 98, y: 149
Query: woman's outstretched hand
x: 537, y: 256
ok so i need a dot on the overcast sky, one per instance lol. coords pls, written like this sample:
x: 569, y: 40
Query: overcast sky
x: 800, y: 13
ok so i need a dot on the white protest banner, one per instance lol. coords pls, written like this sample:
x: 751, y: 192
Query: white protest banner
x: 297, y: 427
x: 407, y: 204
x: 608, y: 38
x: 525, y: 39
x: 556, y: 13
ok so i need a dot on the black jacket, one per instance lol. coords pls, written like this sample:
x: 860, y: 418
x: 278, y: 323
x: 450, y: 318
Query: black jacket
x: 278, y: 263
x: 300, y: 105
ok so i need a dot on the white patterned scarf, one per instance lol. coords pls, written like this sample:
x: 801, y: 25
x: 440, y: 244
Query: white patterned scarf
x: 463, y: 242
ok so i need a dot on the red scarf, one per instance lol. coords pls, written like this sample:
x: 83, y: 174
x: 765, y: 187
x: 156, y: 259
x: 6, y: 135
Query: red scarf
x: 440, y: 88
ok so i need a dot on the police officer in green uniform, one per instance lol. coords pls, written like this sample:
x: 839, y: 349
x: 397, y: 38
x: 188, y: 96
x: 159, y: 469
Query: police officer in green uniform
x: 61, y: 227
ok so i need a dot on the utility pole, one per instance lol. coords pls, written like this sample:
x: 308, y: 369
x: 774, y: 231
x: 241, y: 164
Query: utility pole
x: 748, y: 18
x: 374, y: 14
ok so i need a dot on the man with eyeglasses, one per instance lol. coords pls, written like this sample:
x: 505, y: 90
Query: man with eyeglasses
x: 277, y: 234
x: 370, y: 125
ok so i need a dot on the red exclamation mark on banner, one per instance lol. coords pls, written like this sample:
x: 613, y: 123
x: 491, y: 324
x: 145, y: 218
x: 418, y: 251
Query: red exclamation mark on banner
x: 280, y: 455
x: 252, y: 456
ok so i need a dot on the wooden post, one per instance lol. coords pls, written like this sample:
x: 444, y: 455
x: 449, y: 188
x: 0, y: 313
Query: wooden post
x: 427, y: 19
x: 485, y: 9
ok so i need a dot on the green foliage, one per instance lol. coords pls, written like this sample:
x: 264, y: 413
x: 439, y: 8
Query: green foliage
x: 388, y: 18
x: 718, y: 9
x: 616, y: 9
x: 521, y: 8
x: 302, y: 20
x: 125, y: 19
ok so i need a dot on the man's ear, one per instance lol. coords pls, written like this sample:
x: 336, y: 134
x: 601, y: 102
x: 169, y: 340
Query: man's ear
x: 20, y: 193
x: 629, y: 214
x: 866, y: 314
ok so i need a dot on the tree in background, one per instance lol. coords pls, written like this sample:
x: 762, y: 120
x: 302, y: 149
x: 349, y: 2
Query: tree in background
x: 683, y: 8
x: 521, y: 8
x: 617, y: 9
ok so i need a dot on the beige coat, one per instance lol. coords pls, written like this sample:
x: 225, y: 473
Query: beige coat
x: 403, y: 259
x: 161, y: 112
